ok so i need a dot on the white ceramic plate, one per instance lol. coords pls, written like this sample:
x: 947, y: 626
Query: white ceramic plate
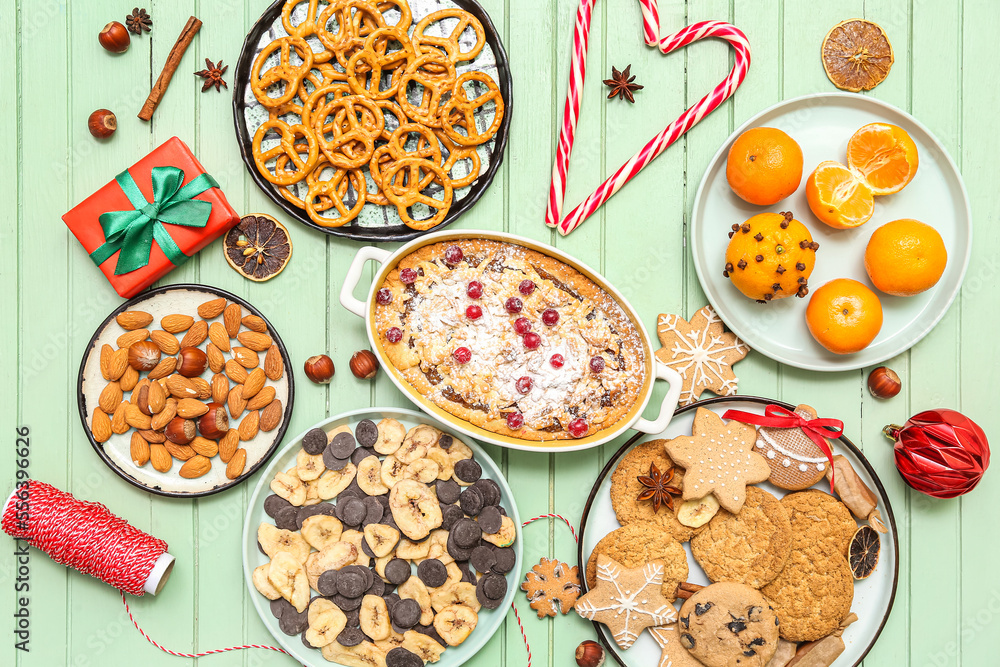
x: 873, y: 596
x: 490, y: 620
x: 822, y: 125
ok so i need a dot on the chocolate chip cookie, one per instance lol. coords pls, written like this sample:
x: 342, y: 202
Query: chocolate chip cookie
x: 729, y: 625
x: 639, y: 543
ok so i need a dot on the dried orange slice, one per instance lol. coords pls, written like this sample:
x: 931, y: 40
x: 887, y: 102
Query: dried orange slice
x: 857, y: 55
x: 884, y: 156
x: 838, y: 196
x: 258, y: 247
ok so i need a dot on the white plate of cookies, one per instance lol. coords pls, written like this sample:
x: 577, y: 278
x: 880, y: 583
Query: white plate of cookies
x: 741, y: 549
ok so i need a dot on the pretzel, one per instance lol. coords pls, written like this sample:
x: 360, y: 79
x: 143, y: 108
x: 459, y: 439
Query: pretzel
x: 449, y: 44
x: 292, y: 197
x: 335, y: 189
x: 318, y: 96
x: 320, y: 76
x: 352, y: 28
x: 307, y: 28
x: 405, y: 15
x: 286, y: 146
x: 283, y: 71
x: 353, y: 140
x: 405, y: 195
x: 378, y: 59
x: 460, y: 106
x: 435, y: 85
x: 457, y: 154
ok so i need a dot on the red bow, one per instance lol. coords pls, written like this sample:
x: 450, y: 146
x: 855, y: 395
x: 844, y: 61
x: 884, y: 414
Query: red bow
x: 776, y: 416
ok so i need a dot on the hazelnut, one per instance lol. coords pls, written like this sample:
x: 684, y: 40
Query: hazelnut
x: 180, y: 431
x: 884, y: 383
x: 364, y: 364
x: 144, y: 355
x: 191, y: 362
x: 319, y: 368
x: 114, y: 37
x: 214, y: 424
x: 102, y: 123
x: 589, y: 654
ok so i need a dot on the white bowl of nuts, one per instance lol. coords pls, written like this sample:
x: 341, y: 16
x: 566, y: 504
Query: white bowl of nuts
x: 185, y: 390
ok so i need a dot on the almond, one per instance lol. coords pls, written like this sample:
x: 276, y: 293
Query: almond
x: 270, y: 416
x: 167, y: 342
x: 195, y: 467
x: 216, y: 360
x: 254, y: 383
x: 203, y: 387
x: 211, y: 309
x: 179, y: 452
x: 196, y: 335
x: 110, y: 397
x: 204, y: 446
x: 100, y: 425
x: 118, y: 364
x: 255, y: 323
x: 163, y: 417
x: 157, y: 398
x: 134, y: 398
x: 228, y: 444
x: 135, y: 418
x: 140, y: 450
x: 236, y: 464
x: 217, y: 334
x: 274, y: 365
x: 118, y: 423
x: 176, y: 323
x: 261, y: 399
x: 255, y: 341
x: 143, y: 401
x: 133, y: 319
x: 181, y: 387
x: 129, y: 379
x: 164, y: 368
x: 189, y: 408
x: 236, y: 373
x: 249, y: 426
x: 160, y: 458
x: 106, y: 352
x: 236, y: 402
x: 152, y: 436
x: 246, y: 357
x: 231, y: 316
x: 130, y: 338
x: 220, y: 388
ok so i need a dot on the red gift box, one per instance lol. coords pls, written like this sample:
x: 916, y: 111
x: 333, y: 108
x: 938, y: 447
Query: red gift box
x: 181, y: 241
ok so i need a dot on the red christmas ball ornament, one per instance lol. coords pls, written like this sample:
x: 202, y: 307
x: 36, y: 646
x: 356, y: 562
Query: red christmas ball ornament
x: 941, y: 453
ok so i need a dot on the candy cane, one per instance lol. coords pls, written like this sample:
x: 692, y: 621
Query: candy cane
x: 659, y: 143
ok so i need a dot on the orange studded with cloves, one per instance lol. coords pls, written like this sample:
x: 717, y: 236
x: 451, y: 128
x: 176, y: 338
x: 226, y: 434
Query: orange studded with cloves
x: 770, y: 256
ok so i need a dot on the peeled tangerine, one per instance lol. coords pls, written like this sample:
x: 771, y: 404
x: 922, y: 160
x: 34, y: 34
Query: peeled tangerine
x: 770, y: 256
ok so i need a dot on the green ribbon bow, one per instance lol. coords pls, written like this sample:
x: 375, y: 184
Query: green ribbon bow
x: 133, y: 231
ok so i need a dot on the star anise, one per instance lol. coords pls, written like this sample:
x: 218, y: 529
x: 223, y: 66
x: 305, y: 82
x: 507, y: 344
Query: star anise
x: 138, y: 21
x: 213, y: 75
x: 621, y: 84
x: 658, y: 488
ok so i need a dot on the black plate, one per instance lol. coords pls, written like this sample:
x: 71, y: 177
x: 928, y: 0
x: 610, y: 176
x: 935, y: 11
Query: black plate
x: 386, y: 234
x: 278, y: 433
x: 887, y: 517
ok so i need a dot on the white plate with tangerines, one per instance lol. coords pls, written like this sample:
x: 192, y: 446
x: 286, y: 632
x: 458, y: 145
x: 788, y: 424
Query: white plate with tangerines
x: 864, y: 164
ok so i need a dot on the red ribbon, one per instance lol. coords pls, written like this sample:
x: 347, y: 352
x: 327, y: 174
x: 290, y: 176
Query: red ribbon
x: 776, y: 416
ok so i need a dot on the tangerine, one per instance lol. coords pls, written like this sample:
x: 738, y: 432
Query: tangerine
x: 905, y: 257
x: 838, y: 197
x: 883, y: 156
x: 764, y: 166
x: 770, y: 256
x: 844, y: 316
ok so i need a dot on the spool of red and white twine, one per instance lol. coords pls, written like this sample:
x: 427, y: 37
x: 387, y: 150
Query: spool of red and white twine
x: 87, y: 537
x: 571, y: 114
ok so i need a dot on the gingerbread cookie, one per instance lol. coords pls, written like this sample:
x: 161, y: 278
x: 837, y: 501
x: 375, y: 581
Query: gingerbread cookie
x: 627, y: 600
x: 639, y: 543
x: 672, y: 654
x: 729, y: 624
x: 552, y: 587
x: 702, y: 351
x: 819, y: 518
x: 718, y: 458
x: 795, y: 460
x: 750, y: 547
x: 813, y: 593
x: 626, y: 489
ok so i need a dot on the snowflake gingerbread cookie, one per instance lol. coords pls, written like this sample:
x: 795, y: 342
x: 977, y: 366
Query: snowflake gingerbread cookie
x: 552, y: 587
x: 702, y: 351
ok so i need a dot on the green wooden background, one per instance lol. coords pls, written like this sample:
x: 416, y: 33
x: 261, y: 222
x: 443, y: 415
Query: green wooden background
x: 53, y: 74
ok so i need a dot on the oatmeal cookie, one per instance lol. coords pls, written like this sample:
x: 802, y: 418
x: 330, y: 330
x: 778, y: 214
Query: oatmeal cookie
x: 818, y: 517
x: 626, y: 487
x: 639, y: 543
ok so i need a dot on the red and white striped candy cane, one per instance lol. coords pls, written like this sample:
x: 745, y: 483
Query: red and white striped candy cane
x: 659, y: 143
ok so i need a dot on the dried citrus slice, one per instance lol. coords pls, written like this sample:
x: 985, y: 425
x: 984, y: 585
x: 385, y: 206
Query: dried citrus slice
x: 857, y: 55
x: 838, y: 196
x: 258, y: 247
x: 884, y: 156
x: 864, y: 552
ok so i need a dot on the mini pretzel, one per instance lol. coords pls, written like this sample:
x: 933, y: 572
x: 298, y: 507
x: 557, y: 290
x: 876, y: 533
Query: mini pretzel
x: 286, y: 146
x: 352, y: 28
x: 292, y: 197
x: 406, y: 195
x: 305, y: 29
x: 319, y: 97
x: 435, y: 85
x: 320, y: 76
x: 457, y: 154
x: 390, y: 108
x: 353, y: 140
x: 405, y: 15
x: 449, y: 44
x: 460, y: 106
x: 283, y: 71
x: 376, y: 60
x: 335, y: 189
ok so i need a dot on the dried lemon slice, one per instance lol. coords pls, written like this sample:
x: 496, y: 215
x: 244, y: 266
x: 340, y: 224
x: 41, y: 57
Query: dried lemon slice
x: 857, y: 55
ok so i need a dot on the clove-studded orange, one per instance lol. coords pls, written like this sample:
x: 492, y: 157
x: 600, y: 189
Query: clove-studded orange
x: 770, y: 256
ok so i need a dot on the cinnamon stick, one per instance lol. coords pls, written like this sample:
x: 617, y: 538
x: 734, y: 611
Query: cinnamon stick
x: 686, y: 590
x: 191, y: 28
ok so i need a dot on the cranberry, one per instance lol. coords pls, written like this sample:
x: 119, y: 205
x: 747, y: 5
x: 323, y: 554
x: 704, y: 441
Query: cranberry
x: 526, y: 287
x: 408, y: 276
x: 475, y: 289
x: 556, y: 361
x: 513, y: 305
x: 473, y: 312
x: 394, y: 335
x: 578, y: 427
x: 523, y: 384
x: 522, y: 325
x: 453, y: 255
x: 532, y: 340
x: 462, y: 355
x: 515, y: 420
x: 384, y: 296
x: 550, y: 316
x: 596, y: 364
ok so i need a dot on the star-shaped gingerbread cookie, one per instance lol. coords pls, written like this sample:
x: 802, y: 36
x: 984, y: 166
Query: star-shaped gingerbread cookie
x: 627, y: 600
x: 672, y: 654
x: 702, y: 351
x: 718, y: 458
